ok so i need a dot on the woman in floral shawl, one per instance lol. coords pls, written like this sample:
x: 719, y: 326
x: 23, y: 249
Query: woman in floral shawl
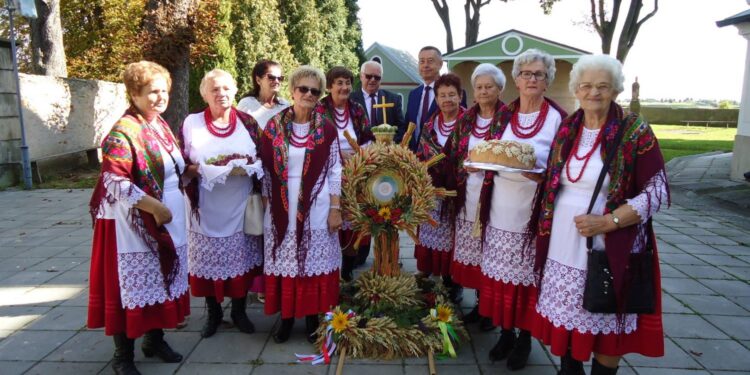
x: 138, y: 280
x: 348, y: 116
x: 302, y: 186
x: 475, y: 126
x: 435, y: 251
x: 620, y: 224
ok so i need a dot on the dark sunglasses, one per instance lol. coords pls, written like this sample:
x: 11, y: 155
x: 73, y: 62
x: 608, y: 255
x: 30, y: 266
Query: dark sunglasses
x: 373, y: 76
x: 272, y: 77
x: 304, y: 90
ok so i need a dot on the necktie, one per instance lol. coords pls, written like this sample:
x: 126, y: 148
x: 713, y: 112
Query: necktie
x: 425, y: 105
x: 373, y: 111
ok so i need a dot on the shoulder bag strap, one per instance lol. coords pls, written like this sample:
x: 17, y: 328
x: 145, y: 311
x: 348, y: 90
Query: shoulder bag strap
x: 605, y: 168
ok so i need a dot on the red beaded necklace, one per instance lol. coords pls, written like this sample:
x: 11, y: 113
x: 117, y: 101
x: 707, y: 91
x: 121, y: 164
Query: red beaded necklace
x: 444, y: 129
x: 163, y: 139
x: 475, y: 130
x: 342, y: 120
x: 585, y: 158
x: 217, y: 131
x: 298, y: 141
x: 526, y: 132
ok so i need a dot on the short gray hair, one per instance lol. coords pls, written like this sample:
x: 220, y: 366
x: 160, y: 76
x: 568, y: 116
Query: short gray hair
x: 307, y: 71
x: 531, y: 55
x: 597, y: 62
x: 371, y: 63
x: 487, y: 69
x: 210, y: 77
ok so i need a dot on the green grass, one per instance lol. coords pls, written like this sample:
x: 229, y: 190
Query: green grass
x: 679, y: 140
x: 78, y: 178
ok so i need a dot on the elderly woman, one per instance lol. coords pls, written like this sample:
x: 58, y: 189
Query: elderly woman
x: 138, y: 280
x: 473, y: 127
x: 263, y: 102
x: 302, y: 184
x: 220, y: 143
x: 620, y: 224
x: 435, y: 251
x: 508, y: 286
x: 348, y: 116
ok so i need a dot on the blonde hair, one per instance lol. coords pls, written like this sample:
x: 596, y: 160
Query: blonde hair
x: 306, y: 71
x: 211, y: 76
x: 139, y: 74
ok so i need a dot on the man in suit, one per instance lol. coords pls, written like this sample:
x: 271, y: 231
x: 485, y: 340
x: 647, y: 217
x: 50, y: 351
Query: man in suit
x: 422, y: 104
x: 371, y: 73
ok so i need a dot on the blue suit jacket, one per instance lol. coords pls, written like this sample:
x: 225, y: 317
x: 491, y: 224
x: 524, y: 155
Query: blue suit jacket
x: 412, y: 110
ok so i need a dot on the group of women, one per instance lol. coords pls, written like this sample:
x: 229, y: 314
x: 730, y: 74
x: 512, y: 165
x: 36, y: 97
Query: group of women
x: 170, y: 215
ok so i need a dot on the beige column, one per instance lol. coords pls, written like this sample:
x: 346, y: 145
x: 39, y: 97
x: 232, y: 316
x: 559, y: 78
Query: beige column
x: 741, y: 152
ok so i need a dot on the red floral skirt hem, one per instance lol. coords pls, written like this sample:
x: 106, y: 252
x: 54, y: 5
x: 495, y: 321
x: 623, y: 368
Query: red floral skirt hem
x: 296, y: 297
x: 105, y: 305
x: 433, y: 262
x: 510, y: 306
x: 466, y: 276
x: 236, y: 287
x: 647, y: 340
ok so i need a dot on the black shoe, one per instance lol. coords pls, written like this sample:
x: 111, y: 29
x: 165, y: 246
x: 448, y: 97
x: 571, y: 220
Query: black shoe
x: 519, y: 356
x: 215, y: 316
x: 347, y: 267
x: 285, y: 330
x: 570, y: 366
x: 599, y: 369
x: 455, y: 291
x: 154, y: 345
x: 472, y: 316
x: 239, y: 315
x: 504, y: 345
x: 122, y: 361
x: 485, y: 324
x: 311, y: 325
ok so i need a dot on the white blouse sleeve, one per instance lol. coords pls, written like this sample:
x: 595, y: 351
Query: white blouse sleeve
x: 649, y: 201
x: 122, y: 189
x: 334, y: 170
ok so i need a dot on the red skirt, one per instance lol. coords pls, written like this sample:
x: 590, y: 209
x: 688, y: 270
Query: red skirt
x: 466, y: 276
x: 300, y: 296
x: 236, y: 287
x: 433, y: 262
x: 105, y: 306
x: 647, y: 340
x: 347, y: 238
x: 510, y: 306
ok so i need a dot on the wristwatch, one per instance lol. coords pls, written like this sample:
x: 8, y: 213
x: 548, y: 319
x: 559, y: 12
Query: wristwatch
x: 615, y: 219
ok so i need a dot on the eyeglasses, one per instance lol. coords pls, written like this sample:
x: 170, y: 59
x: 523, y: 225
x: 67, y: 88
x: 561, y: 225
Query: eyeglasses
x: 373, y: 76
x: 304, y: 90
x: 602, y: 88
x: 272, y: 77
x: 526, y: 74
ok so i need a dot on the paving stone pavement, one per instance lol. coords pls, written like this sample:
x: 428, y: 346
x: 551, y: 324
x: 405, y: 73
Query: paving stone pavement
x: 45, y: 239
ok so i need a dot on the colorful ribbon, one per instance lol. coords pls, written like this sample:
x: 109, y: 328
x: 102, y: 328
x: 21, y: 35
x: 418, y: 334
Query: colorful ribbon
x: 329, y: 345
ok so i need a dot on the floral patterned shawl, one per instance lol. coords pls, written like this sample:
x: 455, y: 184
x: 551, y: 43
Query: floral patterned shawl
x: 638, y: 162
x: 429, y: 146
x: 274, y: 155
x: 132, y: 151
x: 457, y: 150
x: 358, y: 116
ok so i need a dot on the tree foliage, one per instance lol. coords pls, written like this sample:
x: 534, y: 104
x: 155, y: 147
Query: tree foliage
x: 258, y: 34
x: 337, y: 48
x: 303, y: 29
x: 214, y: 49
x: 101, y: 36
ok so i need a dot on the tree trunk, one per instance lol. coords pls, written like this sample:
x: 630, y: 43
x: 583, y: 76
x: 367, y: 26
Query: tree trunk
x: 442, y: 10
x: 48, y: 53
x: 167, y: 34
x: 471, y: 12
x: 631, y: 27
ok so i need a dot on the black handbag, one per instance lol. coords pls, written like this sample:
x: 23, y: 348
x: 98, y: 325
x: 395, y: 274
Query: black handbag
x: 599, y: 291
